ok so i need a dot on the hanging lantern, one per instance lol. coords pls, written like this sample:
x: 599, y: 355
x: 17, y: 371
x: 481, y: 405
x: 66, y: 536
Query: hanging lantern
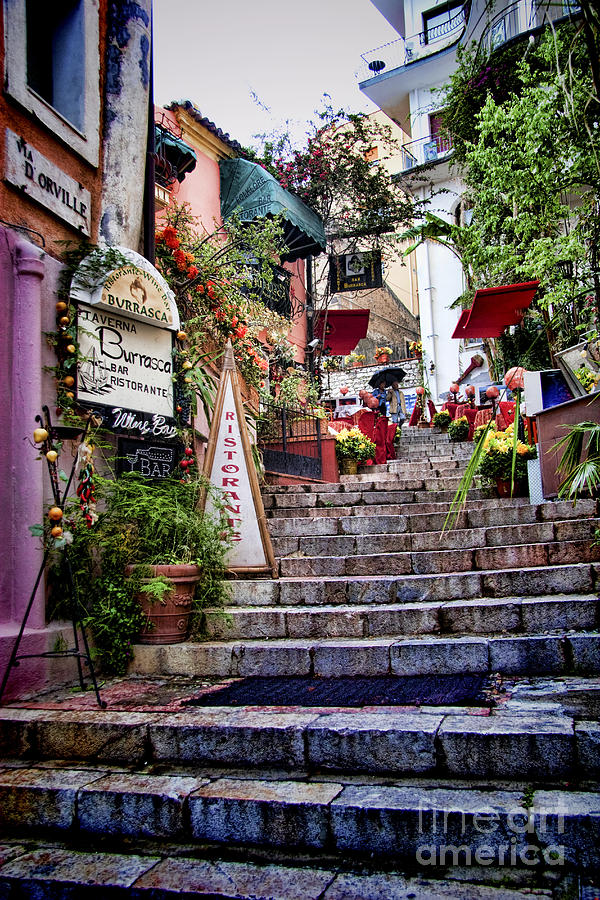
x: 492, y: 392
x: 514, y: 378
x: 344, y: 390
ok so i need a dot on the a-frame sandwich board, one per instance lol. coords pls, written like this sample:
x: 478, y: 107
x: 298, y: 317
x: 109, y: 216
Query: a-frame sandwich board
x: 229, y: 466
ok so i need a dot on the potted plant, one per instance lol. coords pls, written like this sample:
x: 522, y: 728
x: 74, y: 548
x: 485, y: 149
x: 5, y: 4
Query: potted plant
x: 351, y: 448
x: 382, y: 354
x: 331, y: 363
x: 355, y: 359
x: 141, y: 567
x: 458, y: 429
x: 442, y: 420
x: 416, y: 349
x: 496, y: 462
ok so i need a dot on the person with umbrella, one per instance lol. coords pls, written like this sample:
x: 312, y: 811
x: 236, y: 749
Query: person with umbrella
x: 380, y: 393
x: 396, y: 404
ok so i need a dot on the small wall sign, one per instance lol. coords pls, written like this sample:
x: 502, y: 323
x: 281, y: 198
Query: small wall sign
x: 148, y: 458
x: 355, y: 271
x: 45, y: 183
x: 135, y: 289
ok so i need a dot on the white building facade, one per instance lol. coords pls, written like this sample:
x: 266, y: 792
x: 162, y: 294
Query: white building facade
x: 404, y: 79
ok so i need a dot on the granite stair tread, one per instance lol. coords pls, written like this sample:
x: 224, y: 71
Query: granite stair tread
x: 477, y: 616
x: 559, y: 652
x: 160, y: 873
x: 394, y: 819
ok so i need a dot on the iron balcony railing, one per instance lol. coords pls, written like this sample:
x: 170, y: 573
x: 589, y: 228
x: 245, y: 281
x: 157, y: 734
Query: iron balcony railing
x: 401, y: 52
x: 424, y: 150
x: 523, y: 16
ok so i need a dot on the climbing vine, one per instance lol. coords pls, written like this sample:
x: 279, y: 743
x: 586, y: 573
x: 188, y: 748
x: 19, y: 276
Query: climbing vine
x: 527, y: 144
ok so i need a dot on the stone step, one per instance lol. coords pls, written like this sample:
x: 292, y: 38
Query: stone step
x: 512, y: 615
x: 369, y: 498
x: 405, y: 541
x: 443, y: 562
x: 537, y: 581
x: 422, y: 517
x: 559, y: 653
x: 370, y: 494
x: 63, y: 869
x: 403, y: 821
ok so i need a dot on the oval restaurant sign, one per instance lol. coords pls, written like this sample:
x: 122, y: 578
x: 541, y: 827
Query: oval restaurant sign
x: 124, y: 324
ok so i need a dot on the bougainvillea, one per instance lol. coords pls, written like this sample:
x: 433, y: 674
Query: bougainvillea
x: 213, y: 277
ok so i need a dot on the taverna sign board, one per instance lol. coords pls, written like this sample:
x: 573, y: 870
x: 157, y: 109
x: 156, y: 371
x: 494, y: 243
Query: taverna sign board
x: 125, y: 319
x: 229, y: 466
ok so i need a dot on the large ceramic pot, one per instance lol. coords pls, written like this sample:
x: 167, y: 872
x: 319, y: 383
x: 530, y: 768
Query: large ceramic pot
x: 168, y: 621
x: 348, y: 466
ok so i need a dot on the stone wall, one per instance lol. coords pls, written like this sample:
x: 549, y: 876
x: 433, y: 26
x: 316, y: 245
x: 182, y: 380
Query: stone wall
x: 357, y: 378
x: 391, y: 324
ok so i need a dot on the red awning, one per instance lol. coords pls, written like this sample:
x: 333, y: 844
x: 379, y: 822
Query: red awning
x: 494, y: 309
x: 345, y: 328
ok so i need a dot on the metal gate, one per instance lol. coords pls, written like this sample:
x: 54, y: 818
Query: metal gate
x: 290, y: 440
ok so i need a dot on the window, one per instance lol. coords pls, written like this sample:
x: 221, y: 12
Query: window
x: 55, y: 55
x: 52, y: 67
x: 442, y: 20
x: 436, y: 128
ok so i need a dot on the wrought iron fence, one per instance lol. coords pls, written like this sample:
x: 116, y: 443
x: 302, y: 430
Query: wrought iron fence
x: 289, y: 439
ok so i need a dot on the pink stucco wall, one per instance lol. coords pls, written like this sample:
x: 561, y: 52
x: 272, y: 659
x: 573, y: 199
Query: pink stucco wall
x: 28, y: 280
x: 201, y: 189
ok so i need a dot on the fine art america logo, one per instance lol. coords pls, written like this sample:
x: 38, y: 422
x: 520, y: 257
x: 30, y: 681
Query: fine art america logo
x: 490, y: 836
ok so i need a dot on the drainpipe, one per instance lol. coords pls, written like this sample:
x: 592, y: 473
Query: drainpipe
x: 431, y: 376
x: 150, y: 177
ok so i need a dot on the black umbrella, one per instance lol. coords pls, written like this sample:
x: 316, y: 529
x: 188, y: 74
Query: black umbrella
x: 387, y: 375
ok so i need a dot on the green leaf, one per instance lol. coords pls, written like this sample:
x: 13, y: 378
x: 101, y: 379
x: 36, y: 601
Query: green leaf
x: 36, y: 530
x: 63, y: 475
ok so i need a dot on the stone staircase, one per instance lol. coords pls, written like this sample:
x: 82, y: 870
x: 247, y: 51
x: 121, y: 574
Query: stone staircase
x: 381, y: 802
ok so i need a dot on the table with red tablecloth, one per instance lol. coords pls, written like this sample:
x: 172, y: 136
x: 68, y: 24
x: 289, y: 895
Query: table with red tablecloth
x: 451, y: 407
x: 415, y: 417
x: 374, y: 426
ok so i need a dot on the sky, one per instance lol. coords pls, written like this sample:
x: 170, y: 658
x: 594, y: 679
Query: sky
x: 251, y: 65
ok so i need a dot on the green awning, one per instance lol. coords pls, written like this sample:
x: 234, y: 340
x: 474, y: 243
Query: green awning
x: 180, y: 157
x: 250, y: 191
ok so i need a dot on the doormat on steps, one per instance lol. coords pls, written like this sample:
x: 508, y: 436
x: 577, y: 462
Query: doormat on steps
x: 348, y: 690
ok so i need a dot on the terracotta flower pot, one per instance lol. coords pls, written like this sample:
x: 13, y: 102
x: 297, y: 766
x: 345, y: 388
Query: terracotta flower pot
x: 503, y: 488
x: 168, y: 621
x: 348, y: 466
x: 384, y: 358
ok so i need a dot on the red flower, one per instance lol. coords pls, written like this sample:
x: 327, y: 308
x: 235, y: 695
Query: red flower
x: 193, y: 271
x: 170, y: 237
x: 179, y: 257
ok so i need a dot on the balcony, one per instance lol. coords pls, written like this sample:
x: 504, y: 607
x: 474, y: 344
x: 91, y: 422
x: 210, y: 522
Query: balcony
x: 521, y: 17
x: 402, y: 52
x: 423, y: 151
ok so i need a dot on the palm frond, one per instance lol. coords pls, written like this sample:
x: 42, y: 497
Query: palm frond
x: 460, y: 498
